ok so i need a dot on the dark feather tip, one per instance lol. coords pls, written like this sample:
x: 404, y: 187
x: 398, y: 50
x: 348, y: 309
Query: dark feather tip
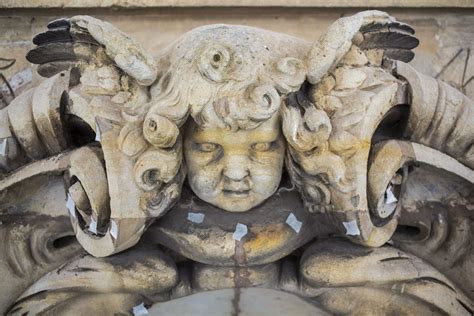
x: 51, y: 52
x: 399, y: 54
x: 59, y: 23
x: 384, y: 40
x: 53, y: 35
x: 50, y: 69
x: 402, y: 27
x: 389, y: 27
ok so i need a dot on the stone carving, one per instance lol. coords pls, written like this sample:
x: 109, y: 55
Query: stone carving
x: 237, y: 158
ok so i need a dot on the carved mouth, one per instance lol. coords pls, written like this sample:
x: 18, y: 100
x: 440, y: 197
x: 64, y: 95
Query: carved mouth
x: 236, y: 193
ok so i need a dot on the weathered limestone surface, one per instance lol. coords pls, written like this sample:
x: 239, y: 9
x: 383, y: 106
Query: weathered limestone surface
x: 238, y: 171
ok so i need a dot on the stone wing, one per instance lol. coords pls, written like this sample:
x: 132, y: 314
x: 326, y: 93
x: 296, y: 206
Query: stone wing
x: 82, y: 41
x: 366, y: 38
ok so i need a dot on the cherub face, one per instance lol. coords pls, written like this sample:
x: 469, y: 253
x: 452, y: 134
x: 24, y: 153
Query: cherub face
x: 235, y: 170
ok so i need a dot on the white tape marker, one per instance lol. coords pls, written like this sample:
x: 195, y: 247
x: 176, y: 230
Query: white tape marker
x: 351, y: 228
x: 197, y: 218
x: 140, y: 310
x: 294, y: 223
x: 113, y: 229
x: 71, y: 206
x: 93, y: 226
x: 390, y: 196
x: 240, y: 231
x: 3, y: 147
x: 97, y: 132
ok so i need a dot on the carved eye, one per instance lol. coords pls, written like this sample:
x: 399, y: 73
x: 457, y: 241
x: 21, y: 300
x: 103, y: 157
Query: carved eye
x: 207, y: 147
x: 265, y: 146
x: 216, y: 58
x: 152, y: 125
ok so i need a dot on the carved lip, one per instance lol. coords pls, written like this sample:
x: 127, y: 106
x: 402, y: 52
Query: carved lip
x: 236, y: 193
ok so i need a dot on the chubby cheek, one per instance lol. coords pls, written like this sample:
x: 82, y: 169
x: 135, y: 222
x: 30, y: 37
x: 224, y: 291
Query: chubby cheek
x: 204, y: 182
x: 266, y: 175
x: 267, y: 181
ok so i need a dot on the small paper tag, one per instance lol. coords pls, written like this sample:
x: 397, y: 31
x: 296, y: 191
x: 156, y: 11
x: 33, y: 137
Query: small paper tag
x: 113, y: 229
x: 197, y: 218
x: 390, y: 196
x: 240, y: 231
x: 71, y: 206
x: 3, y: 147
x: 93, y: 226
x: 140, y: 310
x: 351, y: 228
x: 294, y: 223
x: 97, y: 132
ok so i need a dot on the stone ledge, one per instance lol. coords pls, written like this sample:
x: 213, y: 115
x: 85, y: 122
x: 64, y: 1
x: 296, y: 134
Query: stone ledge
x: 32, y: 4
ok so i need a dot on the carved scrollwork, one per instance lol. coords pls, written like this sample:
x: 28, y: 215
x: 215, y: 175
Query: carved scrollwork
x: 218, y: 63
x: 33, y: 125
x: 149, y: 175
x: 160, y: 131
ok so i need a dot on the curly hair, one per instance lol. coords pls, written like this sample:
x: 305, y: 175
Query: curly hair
x: 217, y: 81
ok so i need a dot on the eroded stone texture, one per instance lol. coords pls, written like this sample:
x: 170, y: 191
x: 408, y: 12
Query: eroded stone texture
x: 237, y: 159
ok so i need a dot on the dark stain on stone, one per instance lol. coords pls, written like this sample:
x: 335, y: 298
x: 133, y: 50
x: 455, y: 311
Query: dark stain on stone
x: 240, y: 257
x: 236, y: 302
x: 241, y: 273
x: 242, y: 277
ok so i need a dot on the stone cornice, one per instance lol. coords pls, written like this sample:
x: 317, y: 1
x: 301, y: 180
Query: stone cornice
x: 31, y: 4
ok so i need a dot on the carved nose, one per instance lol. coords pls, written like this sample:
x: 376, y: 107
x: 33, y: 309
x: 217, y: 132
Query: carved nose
x: 236, y: 168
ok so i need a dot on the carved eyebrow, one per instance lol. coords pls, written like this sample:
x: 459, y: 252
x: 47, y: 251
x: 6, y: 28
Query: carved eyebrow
x: 218, y: 134
x: 204, y: 133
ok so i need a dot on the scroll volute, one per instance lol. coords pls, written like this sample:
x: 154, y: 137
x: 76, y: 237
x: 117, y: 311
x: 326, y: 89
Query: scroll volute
x: 103, y: 198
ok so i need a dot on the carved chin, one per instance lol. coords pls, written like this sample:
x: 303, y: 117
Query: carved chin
x: 231, y: 201
x: 238, y: 205
x: 234, y: 201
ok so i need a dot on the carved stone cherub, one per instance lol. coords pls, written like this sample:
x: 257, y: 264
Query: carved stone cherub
x: 253, y: 149
x: 235, y: 170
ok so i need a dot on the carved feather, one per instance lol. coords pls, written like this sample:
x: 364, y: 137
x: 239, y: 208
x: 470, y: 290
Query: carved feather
x: 404, y: 55
x: 53, y: 35
x: 388, y: 40
x: 51, y: 52
x: 61, y: 47
x: 59, y: 23
x: 390, y: 27
x: 376, y: 33
x: 395, y: 38
x: 51, y: 68
x: 77, y: 40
